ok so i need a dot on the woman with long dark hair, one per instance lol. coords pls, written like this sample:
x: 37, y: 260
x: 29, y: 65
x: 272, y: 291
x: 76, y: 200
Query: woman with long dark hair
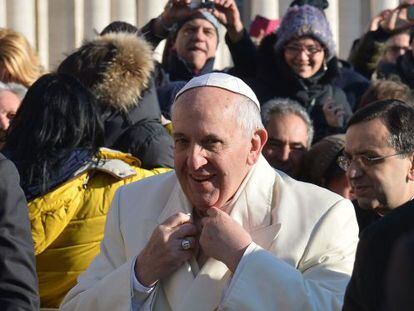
x: 68, y: 179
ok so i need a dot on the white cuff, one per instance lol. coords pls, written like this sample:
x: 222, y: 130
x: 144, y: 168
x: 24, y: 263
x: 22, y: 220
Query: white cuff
x: 137, y: 286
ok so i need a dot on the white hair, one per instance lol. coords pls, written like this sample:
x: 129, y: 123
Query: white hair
x: 248, y: 115
x: 246, y: 112
x: 15, y: 88
x: 286, y: 106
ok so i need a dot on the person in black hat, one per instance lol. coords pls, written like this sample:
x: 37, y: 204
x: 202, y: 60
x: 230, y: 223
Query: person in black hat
x: 192, y: 35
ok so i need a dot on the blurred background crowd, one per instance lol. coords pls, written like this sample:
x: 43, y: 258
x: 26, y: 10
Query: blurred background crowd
x: 79, y: 118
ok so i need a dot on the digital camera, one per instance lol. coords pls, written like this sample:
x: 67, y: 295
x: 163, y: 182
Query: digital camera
x: 205, y: 4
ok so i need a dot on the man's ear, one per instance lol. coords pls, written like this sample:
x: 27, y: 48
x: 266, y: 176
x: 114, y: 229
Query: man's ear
x: 410, y: 176
x: 258, y: 140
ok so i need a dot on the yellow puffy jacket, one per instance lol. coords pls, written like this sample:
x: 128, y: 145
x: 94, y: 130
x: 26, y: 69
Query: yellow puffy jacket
x: 68, y: 222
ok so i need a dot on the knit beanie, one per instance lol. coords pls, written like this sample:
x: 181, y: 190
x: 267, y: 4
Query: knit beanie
x: 306, y: 20
x: 202, y: 14
x: 320, y: 4
x: 320, y: 158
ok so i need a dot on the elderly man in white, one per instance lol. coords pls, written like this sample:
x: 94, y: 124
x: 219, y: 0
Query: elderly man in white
x: 224, y: 231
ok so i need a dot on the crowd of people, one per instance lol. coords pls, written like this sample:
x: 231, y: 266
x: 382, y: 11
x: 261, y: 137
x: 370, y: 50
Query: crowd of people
x: 284, y: 182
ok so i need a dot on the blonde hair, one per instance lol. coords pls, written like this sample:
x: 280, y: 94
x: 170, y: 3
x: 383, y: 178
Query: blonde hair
x: 19, y: 62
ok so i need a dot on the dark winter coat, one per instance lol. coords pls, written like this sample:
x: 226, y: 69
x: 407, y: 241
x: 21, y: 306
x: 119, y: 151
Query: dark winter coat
x: 118, y: 69
x: 175, y: 69
x: 402, y: 71
x: 275, y: 79
x: 365, y: 290
x: 18, y: 280
x: 351, y: 82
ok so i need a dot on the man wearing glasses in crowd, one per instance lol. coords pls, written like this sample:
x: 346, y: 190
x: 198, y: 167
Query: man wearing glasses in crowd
x: 378, y: 159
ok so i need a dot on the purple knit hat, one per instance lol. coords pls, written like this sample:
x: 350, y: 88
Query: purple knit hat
x: 305, y: 20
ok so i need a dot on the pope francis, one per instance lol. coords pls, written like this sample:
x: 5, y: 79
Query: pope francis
x: 224, y: 231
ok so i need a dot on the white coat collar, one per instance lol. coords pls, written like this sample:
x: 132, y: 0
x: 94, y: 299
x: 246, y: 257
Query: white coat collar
x: 252, y: 206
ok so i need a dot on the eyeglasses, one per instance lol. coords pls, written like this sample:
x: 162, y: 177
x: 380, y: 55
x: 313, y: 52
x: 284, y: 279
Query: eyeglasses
x: 398, y: 49
x: 309, y: 50
x: 344, y: 161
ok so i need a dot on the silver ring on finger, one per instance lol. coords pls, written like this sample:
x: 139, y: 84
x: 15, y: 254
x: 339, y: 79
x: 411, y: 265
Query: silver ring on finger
x: 185, y: 244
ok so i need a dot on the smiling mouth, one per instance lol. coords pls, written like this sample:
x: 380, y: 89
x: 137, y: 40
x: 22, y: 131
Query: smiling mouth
x: 201, y: 179
x: 359, y: 188
x: 196, y: 49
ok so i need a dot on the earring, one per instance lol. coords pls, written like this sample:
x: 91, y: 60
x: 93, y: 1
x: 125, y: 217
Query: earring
x: 325, y: 65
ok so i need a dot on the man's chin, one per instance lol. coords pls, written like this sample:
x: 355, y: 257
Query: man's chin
x: 368, y: 203
x: 196, y: 61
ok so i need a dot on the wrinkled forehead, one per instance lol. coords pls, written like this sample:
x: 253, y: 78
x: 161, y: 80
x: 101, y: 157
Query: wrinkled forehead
x: 207, y: 99
x: 198, y: 22
x: 9, y: 101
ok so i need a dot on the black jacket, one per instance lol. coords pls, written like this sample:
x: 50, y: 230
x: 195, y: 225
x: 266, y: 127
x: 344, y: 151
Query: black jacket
x: 274, y: 78
x: 140, y: 132
x: 118, y: 69
x: 402, y: 71
x: 18, y: 280
x: 365, y: 290
x: 175, y: 69
x: 352, y: 83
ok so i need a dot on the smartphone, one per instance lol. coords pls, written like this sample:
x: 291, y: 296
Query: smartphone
x: 410, y: 12
x: 204, y: 4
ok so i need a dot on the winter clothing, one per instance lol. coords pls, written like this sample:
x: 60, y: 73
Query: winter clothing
x: 304, y: 239
x: 306, y: 20
x: 402, y: 71
x: 275, y: 78
x: 366, y: 291
x: 320, y: 4
x: 174, y: 68
x: 204, y: 15
x: 68, y: 222
x: 365, y: 217
x: 166, y: 95
x: 118, y: 68
x: 367, y: 52
x: 351, y: 82
x: 18, y: 281
x: 319, y: 162
x: 400, y: 277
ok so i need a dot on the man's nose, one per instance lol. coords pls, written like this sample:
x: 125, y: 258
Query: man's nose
x: 401, y: 51
x: 4, y: 122
x: 354, y: 171
x: 196, y: 158
x: 199, y: 34
x: 283, y: 153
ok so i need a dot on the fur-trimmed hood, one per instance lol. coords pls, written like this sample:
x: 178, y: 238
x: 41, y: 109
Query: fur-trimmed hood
x: 116, y: 67
x: 128, y: 73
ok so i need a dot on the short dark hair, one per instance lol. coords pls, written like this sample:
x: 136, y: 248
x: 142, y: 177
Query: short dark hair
x: 57, y: 116
x: 120, y: 26
x: 397, y: 116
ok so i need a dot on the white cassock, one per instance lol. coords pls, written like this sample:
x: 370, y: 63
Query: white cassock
x: 301, y: 259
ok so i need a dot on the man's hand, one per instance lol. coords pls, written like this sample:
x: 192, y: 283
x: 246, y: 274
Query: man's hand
x: 334, y: 115
x: 174, y: 11
x: 163, y: 253
x: 396, y: 20
x: 228, y: 15
x: 376, y: 20
x: 222, y: 238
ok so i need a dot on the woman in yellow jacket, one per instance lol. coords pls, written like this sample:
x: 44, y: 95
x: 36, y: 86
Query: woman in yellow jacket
x: 68, y: 180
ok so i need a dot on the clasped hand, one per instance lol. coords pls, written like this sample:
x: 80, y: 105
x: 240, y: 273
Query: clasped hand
x: 219, y: 237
